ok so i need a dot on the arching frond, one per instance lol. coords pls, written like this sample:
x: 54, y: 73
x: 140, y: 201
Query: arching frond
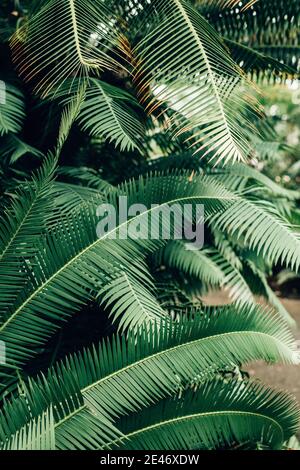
x: 194, y: 74
x: 100, y: 383
x: 106, y: 112
x: 218, y: 415
x: 75, y: 258
x: 259, y: 64
x: 38, y: 434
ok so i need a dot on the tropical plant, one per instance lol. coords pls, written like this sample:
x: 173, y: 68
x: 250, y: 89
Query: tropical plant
x: 155, y: 101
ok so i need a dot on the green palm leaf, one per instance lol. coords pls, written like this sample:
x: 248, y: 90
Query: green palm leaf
x: 269, y: 235
x: 37, y: 435
x: 75, y: 263
x: 192, y: 71
x: 64, y: 39
x: 106, y: 112
x: 122, y: 376
x: 12, y: 109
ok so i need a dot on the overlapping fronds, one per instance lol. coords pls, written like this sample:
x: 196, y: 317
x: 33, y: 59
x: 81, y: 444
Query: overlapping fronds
x: 271, y: 27
x: 82, y: 257
x: 193, y: 72
x: 209, y: 267
x: 65, y: 39
x: 38, y: 434
x: 244, y: 415
x: 106, y: 112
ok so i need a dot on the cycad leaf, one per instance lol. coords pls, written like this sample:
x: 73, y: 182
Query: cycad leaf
x: 124, y: 376
x: 209, y: 267
x: 21, y: 228
x: 218, y: 415
x: 131, y: 302
x: 38, y: 434
x: 64, y: 39
x: 12, y: 109
x: 184, y: 62
x: 75, y: 263
x: 106, y: 112
x: 258, y: 64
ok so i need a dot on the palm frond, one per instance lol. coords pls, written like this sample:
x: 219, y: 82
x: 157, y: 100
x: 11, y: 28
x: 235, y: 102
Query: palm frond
x: 37, y: 435
x: 12, y: 109
x: 234, y: 281
x: 72, y: 198
x: 273, y: 34
x: 130, y: 302
x: 240, y: 177
x: 195, y: 75
x: 74, y: 263
x: 259, y: 65
x: 14, y: 148
x: 269, y: 235
x: 108, y: 112
x: 209, y: 267
x: 257, y: 279
x: 122, y: 376
x: 243, y: 415
x: 22, y: 226
x: 84, y: 176
x: 195, y: 263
